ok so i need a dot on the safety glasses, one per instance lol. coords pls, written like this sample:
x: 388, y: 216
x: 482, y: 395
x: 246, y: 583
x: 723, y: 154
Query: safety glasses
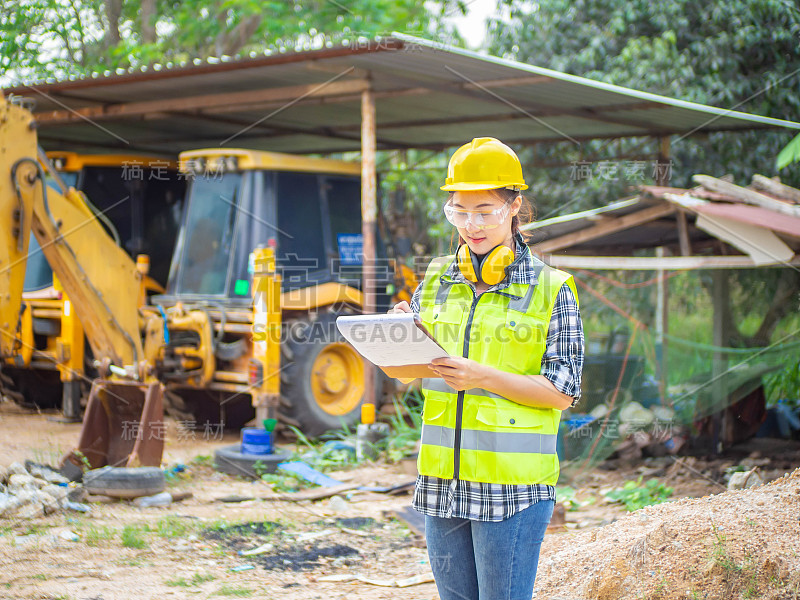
x: 482, y: 219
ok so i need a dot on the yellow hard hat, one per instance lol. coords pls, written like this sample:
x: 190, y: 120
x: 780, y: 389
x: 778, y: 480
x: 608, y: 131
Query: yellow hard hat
x: 484, y: 164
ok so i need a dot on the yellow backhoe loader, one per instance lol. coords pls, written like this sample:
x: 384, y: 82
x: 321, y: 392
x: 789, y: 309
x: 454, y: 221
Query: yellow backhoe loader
x: 223, y: 356
x: 267, y: 256
x: 138, y: 199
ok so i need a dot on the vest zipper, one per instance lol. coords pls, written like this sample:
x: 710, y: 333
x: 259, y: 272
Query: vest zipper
x: 461, y: 393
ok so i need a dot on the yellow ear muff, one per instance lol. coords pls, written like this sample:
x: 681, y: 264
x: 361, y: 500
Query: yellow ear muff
x: 493, y: 265
x: 491, y: 270
x: 466, y: 264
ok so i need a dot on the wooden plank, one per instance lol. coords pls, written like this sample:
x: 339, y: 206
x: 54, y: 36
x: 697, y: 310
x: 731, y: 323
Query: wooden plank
x: 776, y: 188
x: 314, y: 493
x: 288, y: 94
x: 415, y: 520
x: 763, y: 246
x: 606, y: 228
x: 676, y: 263
x: 747, y: 195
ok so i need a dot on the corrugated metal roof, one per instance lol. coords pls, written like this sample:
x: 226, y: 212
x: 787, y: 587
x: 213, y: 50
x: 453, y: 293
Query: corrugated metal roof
x: 427, y: 95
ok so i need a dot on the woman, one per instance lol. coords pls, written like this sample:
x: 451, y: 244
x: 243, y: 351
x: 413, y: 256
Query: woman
x: 512, y: 327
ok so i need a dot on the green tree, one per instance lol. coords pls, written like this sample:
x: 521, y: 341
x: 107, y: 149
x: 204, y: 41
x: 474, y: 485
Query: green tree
x: 64, y: 38
x: 725, y: 53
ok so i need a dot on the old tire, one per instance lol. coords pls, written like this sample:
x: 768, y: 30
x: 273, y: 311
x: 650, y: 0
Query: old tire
x: 229, y: 459
x: 124, y: 482
x: 322, y: 377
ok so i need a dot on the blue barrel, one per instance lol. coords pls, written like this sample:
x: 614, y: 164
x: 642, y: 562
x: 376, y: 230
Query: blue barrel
x: 256, y: 441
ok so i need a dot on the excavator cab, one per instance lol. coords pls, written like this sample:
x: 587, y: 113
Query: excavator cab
x: 307, y: 212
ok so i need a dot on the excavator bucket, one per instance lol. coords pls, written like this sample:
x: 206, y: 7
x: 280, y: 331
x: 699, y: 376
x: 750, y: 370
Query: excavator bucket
x: 123, y: 427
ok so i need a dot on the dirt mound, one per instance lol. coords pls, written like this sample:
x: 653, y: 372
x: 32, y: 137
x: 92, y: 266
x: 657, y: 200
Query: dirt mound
x: 736, y: 544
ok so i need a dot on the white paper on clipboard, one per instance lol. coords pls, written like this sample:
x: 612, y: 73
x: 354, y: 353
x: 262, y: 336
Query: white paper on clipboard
x: 390, y: 340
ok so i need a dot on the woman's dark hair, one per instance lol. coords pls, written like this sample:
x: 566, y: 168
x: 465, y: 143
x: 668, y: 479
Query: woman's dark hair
x: 525, y: 215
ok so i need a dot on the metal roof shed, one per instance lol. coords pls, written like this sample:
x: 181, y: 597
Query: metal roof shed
x: 426, y: 95
x: 395, y: 92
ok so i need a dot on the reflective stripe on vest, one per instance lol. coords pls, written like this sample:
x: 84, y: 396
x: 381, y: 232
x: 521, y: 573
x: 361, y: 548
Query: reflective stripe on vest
x: 491, y: 441
x: 498, y: 440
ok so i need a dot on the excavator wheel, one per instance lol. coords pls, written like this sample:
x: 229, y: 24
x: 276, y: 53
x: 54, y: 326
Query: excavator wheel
x: 322, y: 377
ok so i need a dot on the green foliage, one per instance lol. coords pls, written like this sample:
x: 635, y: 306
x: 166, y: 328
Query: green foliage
x: 790, y: 154
x: 321, y: 456
x: 634, y: 495
x: 61, y: 38
x: 285, y: 482
x: 404, y: 435
x: 784, y: 384
x: 724, y: 53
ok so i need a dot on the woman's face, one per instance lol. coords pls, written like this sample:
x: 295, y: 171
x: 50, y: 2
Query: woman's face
x: 480, y: 241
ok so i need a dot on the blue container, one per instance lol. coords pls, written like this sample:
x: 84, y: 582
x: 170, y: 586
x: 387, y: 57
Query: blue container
x: 256, y: 441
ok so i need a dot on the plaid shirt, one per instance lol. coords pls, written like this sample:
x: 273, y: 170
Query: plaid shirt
x: 562, y: 364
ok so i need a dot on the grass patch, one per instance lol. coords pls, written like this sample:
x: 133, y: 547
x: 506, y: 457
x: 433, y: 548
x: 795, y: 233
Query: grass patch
x: 634, y: 495
x: 94, y: 536
x: 403, y: 435
x: 133, y: 537
x: 742, y: 576
x: 172, y: 526
x: 234, y: 591
x: 196, y: 579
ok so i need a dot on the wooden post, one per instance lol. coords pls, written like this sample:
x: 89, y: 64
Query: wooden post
x: 664, y: 173
x: 369, y: 213
x: 718, y: 401
x: 662, y: 327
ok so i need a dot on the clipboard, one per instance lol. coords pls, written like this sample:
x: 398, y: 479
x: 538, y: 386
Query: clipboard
x: 398, y: 343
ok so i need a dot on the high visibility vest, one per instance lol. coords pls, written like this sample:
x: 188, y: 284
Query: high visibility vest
x: 474, y: 434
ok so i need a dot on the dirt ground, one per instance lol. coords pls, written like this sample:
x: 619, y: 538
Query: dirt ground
x: 708, y: 543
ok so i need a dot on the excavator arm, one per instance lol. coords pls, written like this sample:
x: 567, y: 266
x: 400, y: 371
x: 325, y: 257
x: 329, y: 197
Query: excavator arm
x: 103, y: 286
x: 97, y: 275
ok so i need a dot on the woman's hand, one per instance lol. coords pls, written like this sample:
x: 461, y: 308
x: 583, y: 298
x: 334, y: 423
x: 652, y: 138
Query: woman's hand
x: 400, y: 307
x: 460, y: 373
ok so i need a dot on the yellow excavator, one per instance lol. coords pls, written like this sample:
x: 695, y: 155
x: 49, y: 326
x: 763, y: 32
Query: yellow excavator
x: 138, y: 199
x: 266, y: 258
x: 103, y: 284
x: 220, y: 361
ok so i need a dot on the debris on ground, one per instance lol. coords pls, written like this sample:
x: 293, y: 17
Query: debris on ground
x: 29, y: 491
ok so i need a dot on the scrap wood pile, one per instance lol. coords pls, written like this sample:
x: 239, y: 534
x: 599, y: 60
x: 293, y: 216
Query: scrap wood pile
x: 764, y: 192
x: 735, y: 544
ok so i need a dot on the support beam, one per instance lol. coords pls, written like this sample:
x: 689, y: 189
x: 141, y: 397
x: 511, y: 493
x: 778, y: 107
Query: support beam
x: 662, y: 326
x: 606, y: 228
x: 369, y: 212
x: 664, y: 164
x: 672, y: 263
x: 719, y: 296
x: 288, y: 95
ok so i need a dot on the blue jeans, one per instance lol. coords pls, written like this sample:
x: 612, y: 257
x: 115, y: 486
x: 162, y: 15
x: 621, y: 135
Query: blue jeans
x: 487, y: 560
